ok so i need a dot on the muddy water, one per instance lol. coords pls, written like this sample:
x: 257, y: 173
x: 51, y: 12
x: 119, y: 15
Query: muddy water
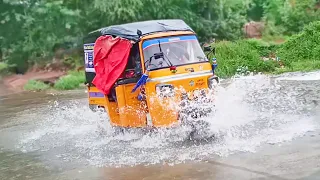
x: 265, y: 128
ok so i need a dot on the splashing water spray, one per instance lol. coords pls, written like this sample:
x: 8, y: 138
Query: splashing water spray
x: 246, y: 113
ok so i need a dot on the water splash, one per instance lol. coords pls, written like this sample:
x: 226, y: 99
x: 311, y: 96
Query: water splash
x: 249, y: 112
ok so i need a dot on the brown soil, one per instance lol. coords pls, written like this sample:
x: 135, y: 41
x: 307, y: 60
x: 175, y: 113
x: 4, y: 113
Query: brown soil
x: 15, y: 83
x: 253, y: 29
x: 279, y: 41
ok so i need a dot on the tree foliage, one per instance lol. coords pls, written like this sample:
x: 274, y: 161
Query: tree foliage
x: 30, y: 30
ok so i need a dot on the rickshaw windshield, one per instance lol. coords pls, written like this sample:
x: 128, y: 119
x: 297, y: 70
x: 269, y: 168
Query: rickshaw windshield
x: 179, y: 50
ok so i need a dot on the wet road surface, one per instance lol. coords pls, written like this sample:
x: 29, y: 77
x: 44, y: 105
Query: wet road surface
x: 265, y: 130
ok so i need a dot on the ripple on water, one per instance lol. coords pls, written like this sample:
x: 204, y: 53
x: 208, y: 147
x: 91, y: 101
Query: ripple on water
x: 248, y: 113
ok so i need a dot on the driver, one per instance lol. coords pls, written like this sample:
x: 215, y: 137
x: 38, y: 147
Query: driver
x: 179, y: 54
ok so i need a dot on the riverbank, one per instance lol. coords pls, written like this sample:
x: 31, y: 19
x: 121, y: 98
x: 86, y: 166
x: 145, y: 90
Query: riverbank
x: 19, y: 85
x: 40, y: 81
x: 57, y: 81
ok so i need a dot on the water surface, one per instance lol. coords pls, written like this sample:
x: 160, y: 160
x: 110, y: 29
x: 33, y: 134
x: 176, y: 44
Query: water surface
x: 266, y: 128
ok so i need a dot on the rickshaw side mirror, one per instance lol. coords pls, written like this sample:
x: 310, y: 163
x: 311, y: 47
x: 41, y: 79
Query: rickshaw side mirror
x: 139, y: 33
x: 207, y: 48
x: 210, y: 49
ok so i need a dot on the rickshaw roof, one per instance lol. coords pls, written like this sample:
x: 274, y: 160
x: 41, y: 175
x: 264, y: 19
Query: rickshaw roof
x: 129, y: 30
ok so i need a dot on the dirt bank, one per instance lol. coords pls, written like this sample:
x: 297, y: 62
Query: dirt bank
x: 15, y: 83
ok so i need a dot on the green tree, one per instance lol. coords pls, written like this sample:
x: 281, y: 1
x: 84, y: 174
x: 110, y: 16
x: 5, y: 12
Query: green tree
x: 299, y: 13
x: 290, y: 16
x: 210, y: 18
x: 42, y: 25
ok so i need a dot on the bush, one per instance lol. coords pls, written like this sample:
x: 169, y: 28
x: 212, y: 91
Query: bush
x: 34, y: 85
x: 302, y: 47
x: 70, y: 81
x: 300, y: 52
x: 232, y: 56
x: 264, y: 48
x: 3, y: 68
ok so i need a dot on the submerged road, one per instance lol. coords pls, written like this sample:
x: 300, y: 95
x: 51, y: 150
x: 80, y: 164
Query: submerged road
x: 267, y: 128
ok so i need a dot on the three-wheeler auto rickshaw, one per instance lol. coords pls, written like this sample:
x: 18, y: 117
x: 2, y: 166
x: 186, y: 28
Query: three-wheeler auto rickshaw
x: 145, y: 73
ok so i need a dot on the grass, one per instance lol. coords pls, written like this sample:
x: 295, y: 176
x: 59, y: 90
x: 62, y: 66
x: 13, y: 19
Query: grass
x: 306, y: 66
x: 302, y: 50
x: 3, y: 68
x: 70, y: 81
x: 242, y: 56
x: 34, y: 85
x: 275, y: 39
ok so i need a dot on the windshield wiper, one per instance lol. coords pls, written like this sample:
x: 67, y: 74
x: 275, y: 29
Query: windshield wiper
x: 170, y: 63
x: 159, y: 55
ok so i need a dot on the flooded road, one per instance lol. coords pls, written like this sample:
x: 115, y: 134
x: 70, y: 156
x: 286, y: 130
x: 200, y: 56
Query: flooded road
x: 265, y: 128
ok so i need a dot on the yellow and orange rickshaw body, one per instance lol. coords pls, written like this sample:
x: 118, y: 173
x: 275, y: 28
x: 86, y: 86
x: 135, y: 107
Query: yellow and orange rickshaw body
x: 175, y: 69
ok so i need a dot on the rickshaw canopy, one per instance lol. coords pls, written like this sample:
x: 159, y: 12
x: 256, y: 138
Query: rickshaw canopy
x: 130, y: 30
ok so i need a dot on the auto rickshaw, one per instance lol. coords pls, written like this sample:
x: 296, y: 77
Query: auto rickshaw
x: 144, y: 73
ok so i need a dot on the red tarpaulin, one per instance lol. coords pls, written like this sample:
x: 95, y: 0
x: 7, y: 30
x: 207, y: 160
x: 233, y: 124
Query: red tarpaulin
x: 110, y: 60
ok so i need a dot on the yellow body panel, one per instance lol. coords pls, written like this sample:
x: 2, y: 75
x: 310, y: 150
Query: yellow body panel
x: 132, y: 112
x: 181, y: 70
x: 162, y: 110
x: 96, y: 97
x: 113, y: 110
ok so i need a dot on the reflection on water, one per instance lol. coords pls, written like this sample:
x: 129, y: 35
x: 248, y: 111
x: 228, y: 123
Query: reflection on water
x: 57, y: 136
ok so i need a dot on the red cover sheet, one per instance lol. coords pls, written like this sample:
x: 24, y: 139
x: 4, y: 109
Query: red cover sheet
x: 110, y: 60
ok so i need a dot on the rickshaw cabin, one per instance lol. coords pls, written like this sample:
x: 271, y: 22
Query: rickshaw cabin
x: 133, y: 70
x: 131, y: 31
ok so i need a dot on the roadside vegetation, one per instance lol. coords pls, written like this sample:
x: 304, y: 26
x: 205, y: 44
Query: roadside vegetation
x: 268, y: 36
x: 3, y: 68
x: 300, y: 52
x: 244, y: 56
x: 73, y: 80
x: 34, y: 85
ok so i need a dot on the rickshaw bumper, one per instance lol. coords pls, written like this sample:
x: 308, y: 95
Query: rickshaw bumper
x: 200, y: 106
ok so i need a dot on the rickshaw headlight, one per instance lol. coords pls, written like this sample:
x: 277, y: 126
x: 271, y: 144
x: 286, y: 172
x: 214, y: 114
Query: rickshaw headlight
x: 213, y: 81
x: 165, y: 90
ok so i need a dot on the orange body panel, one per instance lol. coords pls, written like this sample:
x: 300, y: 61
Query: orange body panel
x: 132, y: 112
x: 96, y: 97
x: 181, y: 70
x: 162, y: 110
x: 113, y: 110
